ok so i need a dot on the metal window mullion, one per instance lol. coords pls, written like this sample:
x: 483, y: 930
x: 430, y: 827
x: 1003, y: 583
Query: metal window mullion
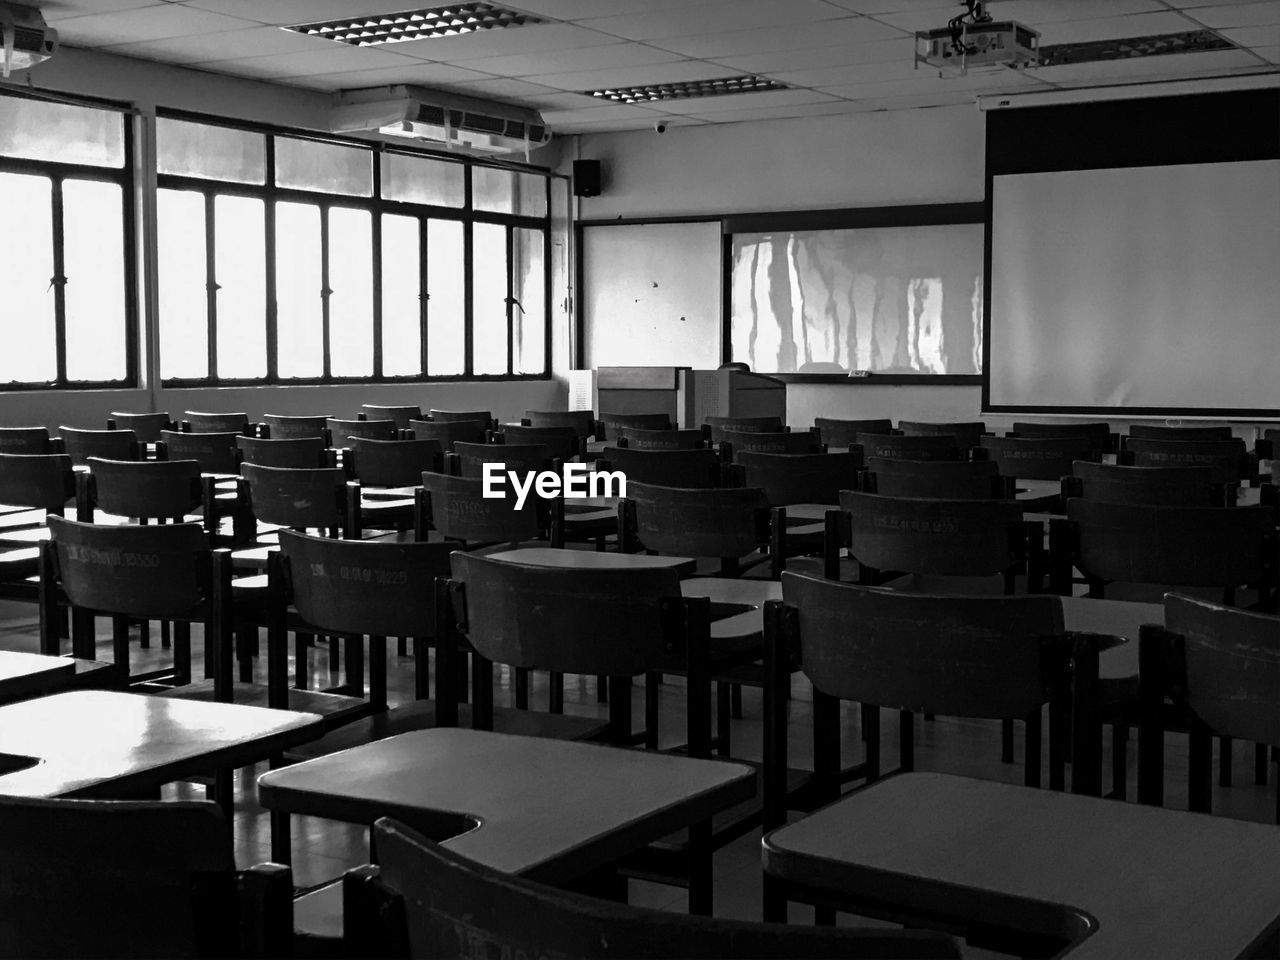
x: 59, y: 283
x: 424, y: 289
x: 272, y: 316
x: 510, y: 299
x: 375, y: 243
x: 547, y: 274
x: 468, y: 279
x: 327, y: 364
x: 129, y: 201
x: 211, y: 280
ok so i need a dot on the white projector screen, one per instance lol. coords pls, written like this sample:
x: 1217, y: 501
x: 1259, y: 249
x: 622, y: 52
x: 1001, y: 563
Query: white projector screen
x: 1137, y: 289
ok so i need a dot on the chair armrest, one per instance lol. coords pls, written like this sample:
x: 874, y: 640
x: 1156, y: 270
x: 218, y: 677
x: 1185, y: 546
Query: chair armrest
x: 265, y: 896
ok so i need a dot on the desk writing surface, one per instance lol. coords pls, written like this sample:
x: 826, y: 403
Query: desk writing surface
x: 1121, y: 618
x: 526, y: 804
x: 91, y: 743
x: 1156, y: 883
x: 22, y: 674
x: 592, y: 559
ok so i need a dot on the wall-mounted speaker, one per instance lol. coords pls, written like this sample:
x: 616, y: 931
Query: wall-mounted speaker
x: 586, y: 178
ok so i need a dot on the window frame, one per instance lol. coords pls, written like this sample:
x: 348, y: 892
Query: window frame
x: 58, y: 172
x: 378, y: 206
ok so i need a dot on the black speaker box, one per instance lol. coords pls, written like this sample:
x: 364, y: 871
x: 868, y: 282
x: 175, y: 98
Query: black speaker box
x: 586, y: 178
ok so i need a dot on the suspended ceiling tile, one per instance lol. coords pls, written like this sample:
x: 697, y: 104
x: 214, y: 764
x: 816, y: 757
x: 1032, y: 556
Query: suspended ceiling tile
x: 66, y: 9
x: 847, y: 30
x: 922, y: 82
x: 853, y: 73
x: 1271, y: 54
x: 144, y: 23
x: 1265, y: 36
x: 876, y: 7
x: 338, y: 58
x: 536, y: 38
x: 594, y: 9
x: 566, y: 61
x: 941, y: 98
x: 414, y: 72
x: 706, y: 106
x: 211, y: 47
x: 635, y: 76
x: 882, y: 51
x: 1106, y: 28
x: 1035, y: 12
x: 829, y: 108
x: 1149, y: 68
x: 715, y: 18
x: 1238, y: 14
x: 282, y: 12
x: 613, y: 111
x: 504, y: 88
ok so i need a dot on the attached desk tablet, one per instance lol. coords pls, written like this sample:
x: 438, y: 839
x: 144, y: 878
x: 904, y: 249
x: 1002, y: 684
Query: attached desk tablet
x: 25, y: 674
x: 593, y: 560
x: 737, y: 606
x: 1120, y: 618
x: 552, y: 810
x: 1115, y: 880
x: 107, y: 744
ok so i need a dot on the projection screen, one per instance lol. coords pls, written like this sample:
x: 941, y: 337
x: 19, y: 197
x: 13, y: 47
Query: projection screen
x: 1137, y: 287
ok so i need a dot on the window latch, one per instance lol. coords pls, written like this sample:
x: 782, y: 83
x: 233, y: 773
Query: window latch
x: 512, y: 301
x: 58, y: 280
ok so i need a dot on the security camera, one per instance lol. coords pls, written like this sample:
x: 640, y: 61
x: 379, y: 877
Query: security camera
x: 659, y: 127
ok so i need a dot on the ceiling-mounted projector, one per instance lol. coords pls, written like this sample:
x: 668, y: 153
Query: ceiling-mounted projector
x: 27, y: 39
x: 973, y: 40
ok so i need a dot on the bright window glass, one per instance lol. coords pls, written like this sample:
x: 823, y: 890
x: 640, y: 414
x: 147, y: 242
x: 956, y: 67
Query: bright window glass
x: 489, y: 299
x: 299, y: 281
x: 351, y: 300
x: 422, y: 180
x: 326, y: 167
x: 93, y: 252
x: 240, y: 265
x: 62, y: 132
x: 209, y: 151
x: 528, y: 317
x: 401, y: 306
x: 184, y: 320
x: 29, y: 354
x: 446, y: 308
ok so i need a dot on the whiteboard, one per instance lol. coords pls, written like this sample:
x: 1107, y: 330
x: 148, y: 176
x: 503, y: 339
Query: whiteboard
x: 651, y: 295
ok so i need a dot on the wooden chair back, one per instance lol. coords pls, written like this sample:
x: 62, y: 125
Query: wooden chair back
x: 1221, y: 667
x: 521, y: 457
x: 80, y: 445
x: 743, y: 425
x: 425, y: 901
x: 748, y: 441
x: 25, y: 440
x: 924, y: 447
x: 801, y: 478
x: 215, y: 452
x: 1154, y: 431
x: 1099, y: 433
x: 377, y: 588
x: 1227, y: 458
x: 295, y: 428
x: 448, y: 432
x: 562, y: 443
x: 145, y: 426
x: 299, y: 454
x: 142, y: 489
x: 949, y: 538
x: 483, y: 416
x: 583, y: 422
x: 1152, y: 486
x: 194, y: 421
x: 638, y: 438
x: 1178, y: 546
x: 725, y: 522
x: 402, y: 415
x: 844, y: 433
x: 152, y: 572
x: 38, y: 481
x: 457, y: 508
x: 122, y: 879
x: 692, y: 469
x: 394, y: 463
x: 342, y: 430
x: 966, y: 433
x: 300, y: 499
x: 955, y: 655
x: 940, y: 479
x: 548, y: 618
x: 610, y: 423
x: 1035, y: 458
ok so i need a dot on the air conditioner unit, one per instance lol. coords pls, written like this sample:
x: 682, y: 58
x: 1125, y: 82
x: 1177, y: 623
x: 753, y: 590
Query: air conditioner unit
x: 422, y: 114
x: 27, y: 39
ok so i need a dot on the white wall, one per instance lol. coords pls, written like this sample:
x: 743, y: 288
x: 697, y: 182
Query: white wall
x: 147, y: 85
x: 886, y: 158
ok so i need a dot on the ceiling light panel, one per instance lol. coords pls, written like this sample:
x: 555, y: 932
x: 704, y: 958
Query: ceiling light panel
x: 425, y: 24
x: 684, y: 90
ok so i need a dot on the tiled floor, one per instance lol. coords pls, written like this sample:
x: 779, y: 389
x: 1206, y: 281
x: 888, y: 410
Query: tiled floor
x: 322, y: 850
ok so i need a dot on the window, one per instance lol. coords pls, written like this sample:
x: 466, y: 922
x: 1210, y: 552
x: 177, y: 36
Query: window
x: 289, y: 259
x: 66, y: 259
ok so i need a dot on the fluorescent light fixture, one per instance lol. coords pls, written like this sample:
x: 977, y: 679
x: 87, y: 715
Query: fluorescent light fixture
x: 654, y: 92
x: 424, y: 24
